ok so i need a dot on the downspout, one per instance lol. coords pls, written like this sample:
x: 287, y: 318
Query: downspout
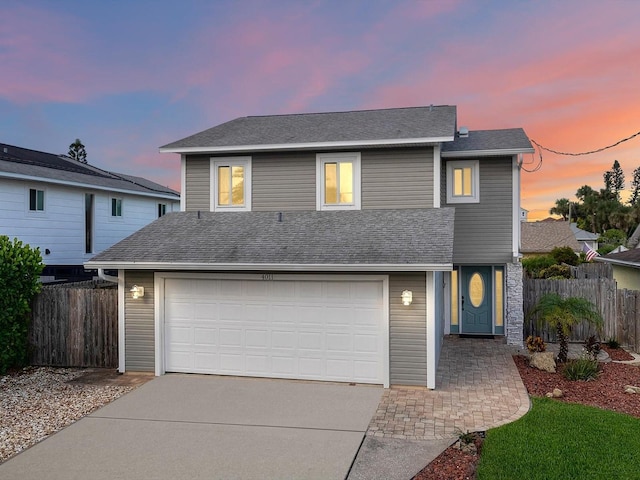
x: 105, y: 277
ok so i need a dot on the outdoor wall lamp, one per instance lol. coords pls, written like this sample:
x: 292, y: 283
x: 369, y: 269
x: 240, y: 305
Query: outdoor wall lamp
x: 407, y: 297
x: 137, y: 292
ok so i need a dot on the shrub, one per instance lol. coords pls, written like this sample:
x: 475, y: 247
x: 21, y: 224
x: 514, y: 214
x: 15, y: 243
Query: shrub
x: 565, y: 255
x: 556, y: 271
x: 613, y: 343
x: 20, y: 269
x: 583, y: 368
x: 533, y: 265
x: 605, y: 249
x: 535, y: 344
x: 592, y: 346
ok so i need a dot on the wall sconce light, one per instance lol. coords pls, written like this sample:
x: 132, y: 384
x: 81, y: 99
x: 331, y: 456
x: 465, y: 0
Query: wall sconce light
x: 137, y: 292
x: 407, y: 297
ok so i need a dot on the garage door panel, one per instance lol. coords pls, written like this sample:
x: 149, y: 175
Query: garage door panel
x: 307, y: 329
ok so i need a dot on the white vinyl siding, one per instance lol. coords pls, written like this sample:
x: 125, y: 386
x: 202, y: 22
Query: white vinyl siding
x: 61, y: 227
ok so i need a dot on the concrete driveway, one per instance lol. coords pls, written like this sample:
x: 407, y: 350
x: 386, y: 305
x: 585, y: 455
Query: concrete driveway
x: 210, y: 427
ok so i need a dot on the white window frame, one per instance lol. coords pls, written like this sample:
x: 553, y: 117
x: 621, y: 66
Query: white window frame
x: 121, y: 207
x: 231, y: 162
x: 475, y: 181
x: 44, y: 201
x: 321, y: 159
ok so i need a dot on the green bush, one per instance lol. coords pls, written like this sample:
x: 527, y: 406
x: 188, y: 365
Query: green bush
x: 565, y: 255
x: 606, y: 249
x: 555, y: 271
x: 584, y: 368
x: 613, y: 343
x: 20, y: 269
x: 534, y: 265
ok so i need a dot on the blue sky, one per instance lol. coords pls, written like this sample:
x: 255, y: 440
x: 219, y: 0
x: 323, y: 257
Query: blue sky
x: 129, y: 76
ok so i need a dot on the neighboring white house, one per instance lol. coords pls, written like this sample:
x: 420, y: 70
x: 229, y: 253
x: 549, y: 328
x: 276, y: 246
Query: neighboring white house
x: 72, y: 210
x: 582, y: 236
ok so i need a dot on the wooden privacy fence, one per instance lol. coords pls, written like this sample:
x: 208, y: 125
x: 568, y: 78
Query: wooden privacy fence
x: 75, y: 325
x: 620, y: 309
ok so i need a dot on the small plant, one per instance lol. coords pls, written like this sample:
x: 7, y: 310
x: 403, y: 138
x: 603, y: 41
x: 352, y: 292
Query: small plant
x: 465, y: 437
x: 583, y: 368
x: 556, y: 272
x: 592, y: 346
x: 613, y: 343
x: 535, y: 344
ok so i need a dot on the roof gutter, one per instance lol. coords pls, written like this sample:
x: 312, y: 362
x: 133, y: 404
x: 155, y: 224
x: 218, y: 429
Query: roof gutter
x: 316, y: 267
x: 622, y: 263
x: 306, y: 145
x: 486, y: 153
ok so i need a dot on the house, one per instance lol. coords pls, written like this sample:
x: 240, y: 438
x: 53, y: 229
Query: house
x: 539, y: 238
x: 335, y: 246
x: 72, y: 210
x: 582, y: 236
x: 626, y: 268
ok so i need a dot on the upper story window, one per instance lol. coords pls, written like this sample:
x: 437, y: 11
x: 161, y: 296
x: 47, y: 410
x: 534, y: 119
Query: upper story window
x: 463, y: 181
x: 116, y: 207
x: 231, y: 180
x: 36, y: 200
x: 338, y: 181
x: 162, y: 209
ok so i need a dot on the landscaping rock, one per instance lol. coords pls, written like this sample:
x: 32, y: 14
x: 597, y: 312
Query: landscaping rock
x: 557, y: 393
x: 631, y: 389
x: 543, y: 361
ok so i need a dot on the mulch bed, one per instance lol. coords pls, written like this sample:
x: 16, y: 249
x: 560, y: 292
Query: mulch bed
x: 606, y: 392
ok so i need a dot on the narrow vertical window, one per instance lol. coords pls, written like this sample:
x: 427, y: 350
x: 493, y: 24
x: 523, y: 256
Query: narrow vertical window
x: 116, y: 207
x: 162, y: 209
x: 36, y: 200
x: 88, y: 223
x: 454, y: 299
x: 499, y: 297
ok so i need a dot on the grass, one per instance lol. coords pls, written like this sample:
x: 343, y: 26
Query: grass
x: 557, y: 440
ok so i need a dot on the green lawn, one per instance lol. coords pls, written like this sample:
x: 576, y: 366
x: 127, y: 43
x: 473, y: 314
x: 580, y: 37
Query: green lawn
x: 556, y: 440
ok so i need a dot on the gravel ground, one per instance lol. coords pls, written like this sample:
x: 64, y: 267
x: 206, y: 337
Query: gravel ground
x: 36, y: 402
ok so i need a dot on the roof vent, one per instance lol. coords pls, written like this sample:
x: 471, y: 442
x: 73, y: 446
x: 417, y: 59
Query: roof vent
x: 463, y: 132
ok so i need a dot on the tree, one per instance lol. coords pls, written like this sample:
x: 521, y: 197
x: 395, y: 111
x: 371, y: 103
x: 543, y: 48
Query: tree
x: 614, y: 179
x: 77, y: 151
x: 561, y: 208
x: 20, y: 269
x: 635, y: 188
x: 563, y: 315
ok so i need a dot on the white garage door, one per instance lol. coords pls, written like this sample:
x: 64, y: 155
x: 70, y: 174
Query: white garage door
x: 304, y: 329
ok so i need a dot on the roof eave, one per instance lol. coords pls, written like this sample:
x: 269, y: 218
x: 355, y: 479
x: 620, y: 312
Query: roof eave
x: 69, y: 183
x: 486, y: 153
x: 307, y: 145
x: 621, y: 263
x: 316, y: 267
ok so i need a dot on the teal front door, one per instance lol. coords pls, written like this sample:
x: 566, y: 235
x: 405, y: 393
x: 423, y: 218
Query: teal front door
x: 476, y: 300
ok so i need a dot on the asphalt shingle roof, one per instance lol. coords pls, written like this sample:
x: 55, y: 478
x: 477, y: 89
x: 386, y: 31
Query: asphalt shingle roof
x: 628, y: 256
x: 363, y: 237
x: 490, y: 140
x: 48, y: 166
x: 542, y: 237
x: 354, y: 126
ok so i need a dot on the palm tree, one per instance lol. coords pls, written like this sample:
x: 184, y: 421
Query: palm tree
x: 563, y: 315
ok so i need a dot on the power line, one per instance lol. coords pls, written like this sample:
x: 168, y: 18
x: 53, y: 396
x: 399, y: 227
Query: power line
x: 583, y: 153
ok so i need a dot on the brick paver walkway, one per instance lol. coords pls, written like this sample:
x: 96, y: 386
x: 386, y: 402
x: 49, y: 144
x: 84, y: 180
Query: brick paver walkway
x: 477, y: 387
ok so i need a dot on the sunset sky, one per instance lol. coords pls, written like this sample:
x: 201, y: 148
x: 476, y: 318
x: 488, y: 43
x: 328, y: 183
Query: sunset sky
x: 129, y: 76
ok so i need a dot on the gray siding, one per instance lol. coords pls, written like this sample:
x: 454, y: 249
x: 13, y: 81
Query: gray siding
x: 397, y: 178
x: 139, y: 323
x: 483, y: 231
x: 407, y: 331
x: 197, y: 188
x: 283, y: 181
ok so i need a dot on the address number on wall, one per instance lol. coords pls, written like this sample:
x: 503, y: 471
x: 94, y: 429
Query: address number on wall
x: 267, y: 276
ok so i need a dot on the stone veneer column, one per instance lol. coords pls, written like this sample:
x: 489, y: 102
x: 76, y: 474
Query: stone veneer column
x: 515, y: 305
